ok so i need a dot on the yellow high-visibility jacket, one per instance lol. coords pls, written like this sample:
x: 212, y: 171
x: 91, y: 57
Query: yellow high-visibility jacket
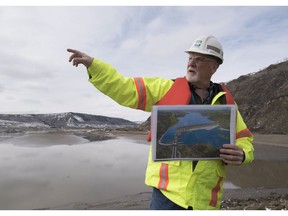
x: 200, y: 188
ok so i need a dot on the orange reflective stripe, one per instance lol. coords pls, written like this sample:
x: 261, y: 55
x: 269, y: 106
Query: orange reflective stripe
x: 149, y: 137
x: 141, y: 90
x: 164, y: 179
x: 214, y: 193
x: 229, y: 97
x: 243, y: 133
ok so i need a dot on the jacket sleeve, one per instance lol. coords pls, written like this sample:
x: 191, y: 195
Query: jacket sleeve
x: 244, y: 139
x: 137, y: 93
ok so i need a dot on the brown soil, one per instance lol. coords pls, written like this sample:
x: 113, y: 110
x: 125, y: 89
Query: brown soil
x: 248, y: 199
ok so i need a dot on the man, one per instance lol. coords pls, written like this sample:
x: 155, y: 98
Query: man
x: 178, y: 184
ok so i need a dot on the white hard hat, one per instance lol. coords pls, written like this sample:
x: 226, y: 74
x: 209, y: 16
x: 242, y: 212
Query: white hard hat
x: 208, y: 45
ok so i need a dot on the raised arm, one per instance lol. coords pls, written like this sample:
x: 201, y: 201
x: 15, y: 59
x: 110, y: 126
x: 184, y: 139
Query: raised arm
x: 134, y: 92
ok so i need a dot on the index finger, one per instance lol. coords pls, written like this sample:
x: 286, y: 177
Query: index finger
x: 75, y: 54
x: 230, y: 146
x: 73, y: 51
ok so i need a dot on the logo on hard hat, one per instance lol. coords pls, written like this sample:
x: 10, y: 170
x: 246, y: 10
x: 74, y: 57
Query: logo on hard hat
x: 198, y: 43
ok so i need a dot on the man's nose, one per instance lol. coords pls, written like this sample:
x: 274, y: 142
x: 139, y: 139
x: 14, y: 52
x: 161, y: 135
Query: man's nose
x: 192, y: 63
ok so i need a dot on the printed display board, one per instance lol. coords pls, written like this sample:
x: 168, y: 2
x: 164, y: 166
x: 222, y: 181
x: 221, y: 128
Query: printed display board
x: 191, y: 132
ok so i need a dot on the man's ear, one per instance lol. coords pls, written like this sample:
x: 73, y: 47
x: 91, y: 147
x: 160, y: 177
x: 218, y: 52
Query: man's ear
x: 215, y: 67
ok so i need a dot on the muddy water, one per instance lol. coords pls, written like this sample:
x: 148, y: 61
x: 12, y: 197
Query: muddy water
x: 36, y: 173
x: 40, y: 170
x: 269, y: 169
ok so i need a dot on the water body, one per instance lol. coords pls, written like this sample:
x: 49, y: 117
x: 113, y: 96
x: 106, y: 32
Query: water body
x: 43, y: 170
x: 46, y: 170
x: 194, y: 128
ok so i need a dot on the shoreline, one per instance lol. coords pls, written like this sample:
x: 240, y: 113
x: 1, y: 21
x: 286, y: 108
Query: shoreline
x: 92, y: 134
x: 279, y: 140
x: 234, y: 199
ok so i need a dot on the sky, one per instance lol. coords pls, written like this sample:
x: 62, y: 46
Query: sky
x: 139, y: 41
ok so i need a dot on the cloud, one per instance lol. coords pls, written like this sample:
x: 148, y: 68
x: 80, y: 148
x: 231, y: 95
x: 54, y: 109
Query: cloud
x: 21, y: 67
x: 138, y: 41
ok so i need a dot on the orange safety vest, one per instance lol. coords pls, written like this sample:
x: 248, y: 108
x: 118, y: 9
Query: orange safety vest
x: 181, y: 85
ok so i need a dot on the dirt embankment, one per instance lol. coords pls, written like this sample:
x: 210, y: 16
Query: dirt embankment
x: 237, y: 199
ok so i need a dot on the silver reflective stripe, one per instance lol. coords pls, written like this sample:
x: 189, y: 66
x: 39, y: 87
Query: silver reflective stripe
x: 163, y: 177
x: 214, y: 48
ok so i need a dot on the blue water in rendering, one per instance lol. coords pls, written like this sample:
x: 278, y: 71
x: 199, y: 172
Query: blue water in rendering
x: 216, y: 136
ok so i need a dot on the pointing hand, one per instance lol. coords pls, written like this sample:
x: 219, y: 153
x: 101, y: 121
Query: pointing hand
x: 80, y: 58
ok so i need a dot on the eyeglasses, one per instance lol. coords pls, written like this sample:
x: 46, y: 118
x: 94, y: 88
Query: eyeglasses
x: 199, y: 59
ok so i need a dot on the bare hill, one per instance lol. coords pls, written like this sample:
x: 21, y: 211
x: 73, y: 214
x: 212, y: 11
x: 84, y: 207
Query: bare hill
x: 61, y: 120
x: 262, y: 99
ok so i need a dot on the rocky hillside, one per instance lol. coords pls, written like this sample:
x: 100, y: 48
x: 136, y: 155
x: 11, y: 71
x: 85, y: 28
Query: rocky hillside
x: 61, y: 120
x: 262, y: 98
